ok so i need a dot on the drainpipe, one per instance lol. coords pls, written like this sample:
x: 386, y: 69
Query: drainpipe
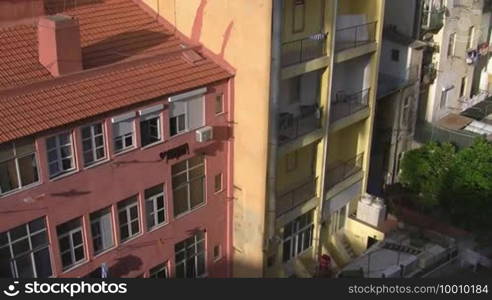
x: 275, y: 77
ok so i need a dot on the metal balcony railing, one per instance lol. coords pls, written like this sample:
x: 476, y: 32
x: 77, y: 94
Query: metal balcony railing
x: 302, y: 50
x: 291, y: 127
x: 347, y: 104
x: 296, y: 196
x: 340, y: 171
x: 355, y: 36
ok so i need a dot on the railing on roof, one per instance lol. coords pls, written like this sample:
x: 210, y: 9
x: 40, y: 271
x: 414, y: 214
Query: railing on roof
x: 426, y: 132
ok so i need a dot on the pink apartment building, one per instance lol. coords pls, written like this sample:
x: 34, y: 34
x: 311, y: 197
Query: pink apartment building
x: 115, y: 145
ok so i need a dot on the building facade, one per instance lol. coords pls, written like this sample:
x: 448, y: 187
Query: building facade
x: 305, y: 89
x: 115, y: 147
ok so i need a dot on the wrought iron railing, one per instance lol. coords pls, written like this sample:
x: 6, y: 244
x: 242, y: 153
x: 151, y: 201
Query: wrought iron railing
x: 340, y: 171
x: 355, y: 36
x: 433, y: 18
x: 291, y: 127
x: 345, y: 105
x: 296, y: 196
x: 388, y: 83
x: 305, y: 49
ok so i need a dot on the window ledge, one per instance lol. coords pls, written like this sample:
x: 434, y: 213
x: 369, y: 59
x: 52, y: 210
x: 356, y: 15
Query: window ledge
x: 22, y: 189
x: 94, y: 255
x: 131, y: 238
x: 124, y: 151
x: 157, y: 227
x: 190, y: 211
x: 75, y: 266
x: 64, y: 175
x: 98, y: 163
x: 152, y: 145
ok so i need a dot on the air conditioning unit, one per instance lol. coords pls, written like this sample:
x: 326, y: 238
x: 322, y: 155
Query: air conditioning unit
x: 204, y: 134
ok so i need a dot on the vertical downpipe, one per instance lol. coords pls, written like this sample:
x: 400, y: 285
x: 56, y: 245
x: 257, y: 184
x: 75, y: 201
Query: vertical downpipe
x: 275, y: 70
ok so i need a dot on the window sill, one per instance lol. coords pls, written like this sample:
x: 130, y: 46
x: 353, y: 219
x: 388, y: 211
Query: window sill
x: 75, y: 266
x: 157, y: 227
x: 64, y: 175
x: 94, y: 255
x: 124, y: 151
x: 190, y: 211
x: 19, y: 190
x: 152, y: 145
x: 131, y: 238
x: 96, y: 164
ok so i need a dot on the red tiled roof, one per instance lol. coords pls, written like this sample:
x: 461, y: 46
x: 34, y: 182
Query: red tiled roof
x: 32, y: 100
x: 64, y: 103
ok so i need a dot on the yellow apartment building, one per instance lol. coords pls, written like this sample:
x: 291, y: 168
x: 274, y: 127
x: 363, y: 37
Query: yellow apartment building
x: 305, y: 91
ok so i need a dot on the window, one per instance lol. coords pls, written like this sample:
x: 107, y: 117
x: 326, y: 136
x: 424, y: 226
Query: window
x: 150, y: 125
x: 24, y: 251
x: 471, y: 37
x: 395, y: 55
x: 18, y: 165
x: 451, y: 46
x: 71, y: 241
x: 60, y: 154
x: 291, y: 159
x: 190, y: 256
x: 93, y: 143
x: 128, y: 218
x: 406, y: 111
x: 219, y: 104
x: 102, y: 230
x: 298, y: 16
x: 187, y: 112
x: 159, y: 271
x: 444, y: 96
x: 298, y: 236
x: 463, y: 87
x: 218, y: 183
x: 188, y: 184
x: 123, y: 132
x: 154, y: 205
x: 217, y: 252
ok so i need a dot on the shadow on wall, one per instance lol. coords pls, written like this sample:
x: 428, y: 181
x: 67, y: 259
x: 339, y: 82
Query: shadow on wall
x: 125, y: 265
x: 121, y: 46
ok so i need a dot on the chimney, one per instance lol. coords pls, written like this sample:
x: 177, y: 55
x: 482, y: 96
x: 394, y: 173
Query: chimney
x: 59, y: 44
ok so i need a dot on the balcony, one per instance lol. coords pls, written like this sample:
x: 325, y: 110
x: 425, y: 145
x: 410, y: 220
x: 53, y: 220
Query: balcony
x: 433, y: 18
x: 292, y: 127
x: 355, y: 36
x: 297, y: 196
x: 303, y: 50
x: 346, y: 105
x: 341, y: 171
x: 387, y: 83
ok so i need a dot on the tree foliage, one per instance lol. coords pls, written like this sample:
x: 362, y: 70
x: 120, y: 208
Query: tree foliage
x: 460, y: 182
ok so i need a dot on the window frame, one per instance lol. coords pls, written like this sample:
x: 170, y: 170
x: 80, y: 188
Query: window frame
x: 159, y: 268
x: 92, y: 139
x: 220, y: 98
x: 199, y: 237
x: 451, y: 44
x: 128, y: 117
x: 59, y: 159
x: 72, y: 248
x: 295, y: 6
x: 148, y: 114
x: 129, y: 221
x: 97, y: 219
x: 186, y: 98
x: 154, y: 214
x: 16, y: 159
x: 187, y: 184
x: 297, y: 236
x: 14, y: 271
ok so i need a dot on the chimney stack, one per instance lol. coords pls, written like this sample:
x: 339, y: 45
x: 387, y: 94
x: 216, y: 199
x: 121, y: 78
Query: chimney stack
x: 59, y: 44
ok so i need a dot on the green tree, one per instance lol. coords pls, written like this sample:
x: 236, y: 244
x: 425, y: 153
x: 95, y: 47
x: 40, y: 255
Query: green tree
x: 424, y: 170
x: 467, y: 189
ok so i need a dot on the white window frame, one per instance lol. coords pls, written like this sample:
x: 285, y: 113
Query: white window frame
x: 17, y: 169
x: 127, y: 208
x: 94, y: 236
x: 59, y: 159
x: 128, y: 117
x: 73, y: 247
x: 297, y: 236
x: 159, y: 268
x: 154, y: 214
x: 186, y: 97
x: 12, y: 259
x: 187, y: 185
x: 196, y: 254
x: 92, y: 139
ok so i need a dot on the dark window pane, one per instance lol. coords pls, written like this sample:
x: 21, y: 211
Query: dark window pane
x: 8, y: 176
x: 180, y: 272
x: 180, y: 200
x: 79, y: 253
x: 28, y: 170
x: 66, y: 259
x: 5, y: 267
x: 18, y: 232
x: 64, y: 244
x: 197, y: 192
x: 39, y: 240
x: 77, y: 238
x: 135, y: 227
x: 36, y: 225
x: 43, y: 263
x: 24, y: 266
x: 286, y: 251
